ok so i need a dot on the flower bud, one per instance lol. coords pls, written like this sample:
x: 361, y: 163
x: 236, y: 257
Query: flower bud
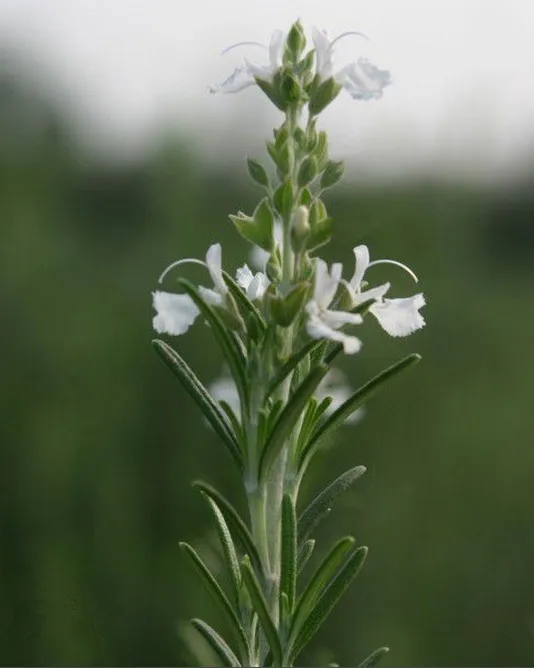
x: 332, y: 174
x: 323, y: 95
x: 257, y: 173
x: 284, y: 310
x: 296, y: 41
x: 300, y: 229
x: 307, y: 171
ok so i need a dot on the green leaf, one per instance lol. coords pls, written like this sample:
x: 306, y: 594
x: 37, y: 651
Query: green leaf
x: 244, y: 302
x: 332, y: 174
x: 304, y: 554
x: 231, y: 351
x: 322, y: 503
x: 354, y: 402
x: 257, y: 172
x: 288, y: 575
x: 288, y: 418
x: 232, y: 516
x: 374, y: 657
x: 218, y: 594
x: 328, y: 599
x: 291, y: 365
x: 261, y: 608
x: 319, y: 581
x: 201, y: 396
x: 218, y: 645
x: 227, y: 545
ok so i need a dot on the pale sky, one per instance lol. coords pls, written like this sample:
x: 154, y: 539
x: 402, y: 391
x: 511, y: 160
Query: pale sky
x: 462, y: 95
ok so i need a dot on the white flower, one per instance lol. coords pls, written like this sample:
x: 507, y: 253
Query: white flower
x: 245, y: 76
x: 258, y: 257
x: 399, y: 317
x: 176, y: 313
x: 323, y: 323
x: 217, y: 296
x: 253, y: 284
x: 362, y: 80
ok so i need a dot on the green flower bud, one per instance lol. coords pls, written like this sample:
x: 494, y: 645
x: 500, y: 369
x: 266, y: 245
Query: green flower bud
x: 257, y: 173
x: 321, y: 233
x: 272, y: 90
x: 306, y: 198
x: 282, y: 156
x: 300, y: 229
x: 296, y: 41
x: 283, y: 198
x: 321, y: 96
x: 332, y: 174
x: 321, y: 150
x: 290, y: 90
x: 273, y: 268
x: 307, y: 171
x: 284, y: 310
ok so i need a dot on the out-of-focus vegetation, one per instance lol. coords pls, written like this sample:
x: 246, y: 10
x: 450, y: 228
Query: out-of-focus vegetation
x: 99, y: 443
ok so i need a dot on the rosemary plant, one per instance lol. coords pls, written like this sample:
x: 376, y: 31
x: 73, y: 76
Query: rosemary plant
x: 280, y: 330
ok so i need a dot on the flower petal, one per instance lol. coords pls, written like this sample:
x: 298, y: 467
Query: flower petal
x: 317, y: 329
x: 363, y: 80
x: 254, y: 285
x: 276, y: 50
x: 326, y: 283
x: 362, y: 259
x: 211, y: 297
x: 400, y: 317
x: 337, y: 319
x: 214, y: 264
x: 240, y: 78
x: 175, y: 313
x: 323, y: 55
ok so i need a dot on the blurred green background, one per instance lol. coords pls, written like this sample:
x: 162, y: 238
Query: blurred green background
x: 99, y: 443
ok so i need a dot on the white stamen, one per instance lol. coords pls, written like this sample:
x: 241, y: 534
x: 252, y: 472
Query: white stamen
x: 186, y: 260
x: 398, y: 264
x: 346, y: 34
x: 234, y: 46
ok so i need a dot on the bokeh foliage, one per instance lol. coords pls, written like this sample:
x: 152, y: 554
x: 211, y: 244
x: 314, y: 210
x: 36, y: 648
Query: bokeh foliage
x: 99, y: 444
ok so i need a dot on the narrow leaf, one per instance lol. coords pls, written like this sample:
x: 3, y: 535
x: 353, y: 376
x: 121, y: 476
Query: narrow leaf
x: 218, y: 594
x: 231, y: 351
x: 322, y: 577
x: 201, y: 396
x: 243, y: 301
x: 320, y: 506
x: 288, y: 575
x: 291, y: 365
x: 304, y: 554
x: 218, y: 645
x: 227, y: 545
x: 232, y: 516
x: 329, y: 599
x: 374, y: 657
x: 288, y: 418
x: 361, y: 395
x: 260, y: 605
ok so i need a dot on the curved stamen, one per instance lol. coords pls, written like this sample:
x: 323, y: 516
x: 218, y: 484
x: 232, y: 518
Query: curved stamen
x: 346, y: 34
x: 398, y: 264
x: 229, y: 48
x: 187, y: 260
